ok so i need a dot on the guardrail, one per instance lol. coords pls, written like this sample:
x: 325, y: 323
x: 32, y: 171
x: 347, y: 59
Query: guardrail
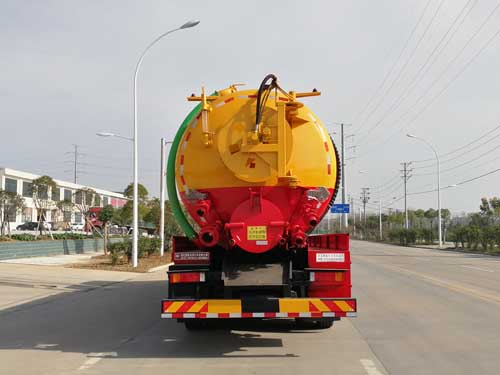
x: 28, y: 249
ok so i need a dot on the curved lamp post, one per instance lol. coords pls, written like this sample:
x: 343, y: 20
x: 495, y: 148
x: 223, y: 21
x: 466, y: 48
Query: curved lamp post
x: 135, y: 236
x: 438, y: 184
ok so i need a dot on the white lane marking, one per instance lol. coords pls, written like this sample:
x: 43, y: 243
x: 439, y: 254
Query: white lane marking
x: 95, y: 358
x: 370, y: 367
x: 478, y: 268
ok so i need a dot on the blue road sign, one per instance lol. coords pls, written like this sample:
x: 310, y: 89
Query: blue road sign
x: 340, y: 209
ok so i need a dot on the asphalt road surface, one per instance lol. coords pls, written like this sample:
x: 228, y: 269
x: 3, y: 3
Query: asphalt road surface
x: 420, y: 312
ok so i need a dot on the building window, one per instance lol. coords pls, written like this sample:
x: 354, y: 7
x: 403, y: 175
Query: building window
x: 43, y: 192
x: 54, y: 215
x: 78, y: 197
x: 105, y: 201
x: 56, y: 194
x: 11, y: 185
x: 67, y: 216
x: 67, y: 195
x: 97, y: 200
x: 27, y: 214
x: 27, y: 189
x: 78, y: 217
x: 10, y: 213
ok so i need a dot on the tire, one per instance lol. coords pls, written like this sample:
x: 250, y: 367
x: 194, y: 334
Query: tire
x: 196, y: 324
x: 324, y: 323
x: 311, y: 323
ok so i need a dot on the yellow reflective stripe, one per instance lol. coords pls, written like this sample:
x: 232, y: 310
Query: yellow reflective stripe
x: 320, y: 305
x: 197, y: 307
x: 174, y: 306
x: 224, y: 306
x: 344, y: 306
x: 293, y: 305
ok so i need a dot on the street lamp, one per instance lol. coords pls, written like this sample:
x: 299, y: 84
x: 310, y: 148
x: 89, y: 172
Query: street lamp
x: 163, y: 177
x: 135, y: 237
x: 438, y: 183
x: 106, y: 134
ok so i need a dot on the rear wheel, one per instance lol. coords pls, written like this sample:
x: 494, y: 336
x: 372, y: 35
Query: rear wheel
x: 311, y: 323
x: 196, y: 324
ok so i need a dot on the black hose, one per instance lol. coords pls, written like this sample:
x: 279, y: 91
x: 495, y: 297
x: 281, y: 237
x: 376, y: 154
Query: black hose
x: 264, y: 86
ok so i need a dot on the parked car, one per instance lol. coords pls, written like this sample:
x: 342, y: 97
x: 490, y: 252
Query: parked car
x: 33, y: 225
x: 29, y: 225
x: 77, y: 226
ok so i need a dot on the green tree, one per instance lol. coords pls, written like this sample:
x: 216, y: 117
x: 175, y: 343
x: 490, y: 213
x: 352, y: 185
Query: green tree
x: 84, y: 199
x: 106, y: 216
x: 445, y: 218
x: 41, y: 188
x: 420, y: 214
x: 431, y: 215
x: 154, y: 214
x: 10, y: 205
x: 141, y: 190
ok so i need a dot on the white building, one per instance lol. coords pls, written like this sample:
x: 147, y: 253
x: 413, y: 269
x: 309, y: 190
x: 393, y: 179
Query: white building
x: 21, y: 183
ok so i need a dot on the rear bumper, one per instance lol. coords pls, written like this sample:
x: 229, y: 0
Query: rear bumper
x: 259, y: 308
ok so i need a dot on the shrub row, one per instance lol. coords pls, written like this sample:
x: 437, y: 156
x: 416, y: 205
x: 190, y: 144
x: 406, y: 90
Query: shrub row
x: 146, y: 247
x: 472, y: 236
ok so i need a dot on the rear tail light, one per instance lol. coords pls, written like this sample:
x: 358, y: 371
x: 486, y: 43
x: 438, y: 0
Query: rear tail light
x: 186, y: 277
x: 326, y: 276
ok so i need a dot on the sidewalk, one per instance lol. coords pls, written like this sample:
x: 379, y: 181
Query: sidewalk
x: 55, y: 260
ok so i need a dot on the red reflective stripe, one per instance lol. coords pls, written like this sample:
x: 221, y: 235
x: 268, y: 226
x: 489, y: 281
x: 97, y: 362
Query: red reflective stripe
x: 246, y: 315
x: 316, y: 314
x: 166, y: 305
x: 329, y: 169
x: 269, y: 315
x: 252, y: 96
x: 293, y: 315
x: 183, y: 181
x: 223, y: 315
x: 229, y: 100
x: 283, y: 99
x: 331, y: 305
x: 312, y: 307
x: 204, y: 309
x: 326, y: 147
x: 178, y: 315
x: 186, y: 306
x: 188, y: 136
x: 200, y: 316
x: 182, y: 159
x: 352, y: 303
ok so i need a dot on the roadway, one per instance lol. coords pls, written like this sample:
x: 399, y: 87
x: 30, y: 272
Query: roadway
x: 420, y: 312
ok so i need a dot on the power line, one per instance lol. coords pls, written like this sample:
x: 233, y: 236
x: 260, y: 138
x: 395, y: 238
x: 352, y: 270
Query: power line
x: 413, y: 82
x: 403, y: 67
x: 460, y: 155
x: 461, y: 165
x: 454, y: 78
x: 461, y: 148
x: 405, y: 46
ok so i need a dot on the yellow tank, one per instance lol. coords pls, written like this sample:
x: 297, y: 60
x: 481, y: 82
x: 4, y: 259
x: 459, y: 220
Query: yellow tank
x: 256, y: 168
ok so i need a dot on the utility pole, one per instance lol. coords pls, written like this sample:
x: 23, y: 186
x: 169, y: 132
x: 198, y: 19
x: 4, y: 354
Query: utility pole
x: 365, y: 197
x: 344, y: 215
x: 345, y: 221
x: 163, y: 177
x: 75, y: 163
x: 353, y: 213
x: 406, y: 176
x: 380, y: 218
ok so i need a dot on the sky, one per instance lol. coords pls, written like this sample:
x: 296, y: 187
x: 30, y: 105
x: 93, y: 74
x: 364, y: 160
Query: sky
x: 388, y: 67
